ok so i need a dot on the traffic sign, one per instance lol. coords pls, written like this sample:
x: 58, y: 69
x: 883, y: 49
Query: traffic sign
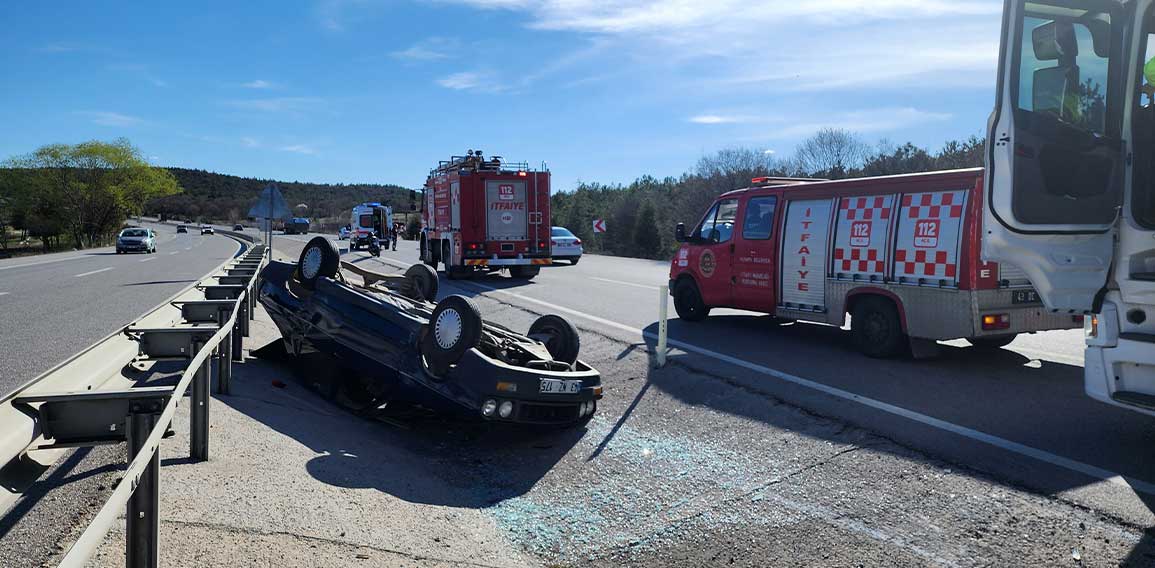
x: 599, y: 225
x: 270, y: 205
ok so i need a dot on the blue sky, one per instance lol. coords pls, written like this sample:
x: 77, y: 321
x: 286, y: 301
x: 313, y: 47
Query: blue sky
x: 378, y: 91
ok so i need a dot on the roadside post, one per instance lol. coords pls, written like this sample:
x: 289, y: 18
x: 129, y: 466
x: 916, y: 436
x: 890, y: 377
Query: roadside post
x: 663, y: 294
x: 199, y: 419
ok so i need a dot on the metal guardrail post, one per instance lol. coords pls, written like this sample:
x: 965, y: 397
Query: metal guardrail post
x: 199, y: 427
x: 142, y: 514
x: 225, y: 355
x: 236, y: 338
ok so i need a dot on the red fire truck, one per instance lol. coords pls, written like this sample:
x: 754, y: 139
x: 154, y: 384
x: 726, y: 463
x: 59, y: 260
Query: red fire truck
x: 486, y: 214
x: 900, y: 254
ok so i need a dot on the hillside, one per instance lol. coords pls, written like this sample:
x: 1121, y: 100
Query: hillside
x: 222, y: 197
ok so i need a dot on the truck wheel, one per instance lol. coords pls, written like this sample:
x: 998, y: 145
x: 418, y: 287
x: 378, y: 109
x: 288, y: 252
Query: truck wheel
x: 876, y: 329
x: 524, y: 272
x: 992, y: 342
x: 688, y: 302
x: 454, y: 328
x: 318, y: 259
x: 427, y: 255
x: 424, y: 281
x: 559, y: 336
x: 446, y: 255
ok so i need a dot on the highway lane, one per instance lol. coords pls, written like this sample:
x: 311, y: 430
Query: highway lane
x: 52, y: 306
x: 1028, y: 397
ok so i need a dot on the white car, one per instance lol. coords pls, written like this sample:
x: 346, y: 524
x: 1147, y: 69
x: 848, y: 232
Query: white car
x: 206, y: 230
x: 565, y: 245
x: 342, y: 233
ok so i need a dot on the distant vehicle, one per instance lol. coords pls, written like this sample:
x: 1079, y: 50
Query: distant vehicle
x: 136, y: 239
x: 565, y: 245
x: 400, y: 346
x: 181, y: 229
x: 190, y: 221
x: 206, y: 229
x: 342, y: 233
x: 483, y: 215
x: 369, y: 219
x: 900, y: 254
x: 297, y: 226
x: 238, y: 227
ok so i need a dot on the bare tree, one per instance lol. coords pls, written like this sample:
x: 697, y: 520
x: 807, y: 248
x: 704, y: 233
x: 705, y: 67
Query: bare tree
x: 830, y: 152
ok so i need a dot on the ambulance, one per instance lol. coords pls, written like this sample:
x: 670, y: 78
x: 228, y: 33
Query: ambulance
x: 899, y: 254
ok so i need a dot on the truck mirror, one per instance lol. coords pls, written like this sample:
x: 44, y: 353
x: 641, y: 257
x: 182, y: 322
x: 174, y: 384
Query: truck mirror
x: 680, y: 233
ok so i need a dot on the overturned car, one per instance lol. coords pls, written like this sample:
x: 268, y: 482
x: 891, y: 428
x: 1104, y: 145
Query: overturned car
x: 400, y: 346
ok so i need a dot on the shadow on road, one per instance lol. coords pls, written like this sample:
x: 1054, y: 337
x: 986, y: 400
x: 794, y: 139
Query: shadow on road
x: 155, y: 282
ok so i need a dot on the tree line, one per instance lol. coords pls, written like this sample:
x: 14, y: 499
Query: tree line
x: 640, y: 217
x: 77, y: 195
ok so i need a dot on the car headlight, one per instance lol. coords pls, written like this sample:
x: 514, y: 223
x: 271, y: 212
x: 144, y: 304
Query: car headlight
x: 489, y: 408
x: 506, y: 409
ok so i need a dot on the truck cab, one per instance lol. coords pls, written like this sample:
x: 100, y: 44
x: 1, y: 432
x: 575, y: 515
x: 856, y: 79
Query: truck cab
x: 1070, y: 190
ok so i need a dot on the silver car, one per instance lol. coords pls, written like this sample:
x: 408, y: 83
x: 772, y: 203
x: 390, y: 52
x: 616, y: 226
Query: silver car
x: 136, y: 239
x: 565, y: 245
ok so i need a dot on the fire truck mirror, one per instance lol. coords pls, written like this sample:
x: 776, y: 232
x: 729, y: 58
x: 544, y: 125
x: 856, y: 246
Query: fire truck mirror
x: 680, y: 233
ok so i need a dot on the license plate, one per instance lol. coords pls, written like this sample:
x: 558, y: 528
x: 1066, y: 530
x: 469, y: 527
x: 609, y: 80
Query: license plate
x: 558, y: 386
x: 1025, y: 297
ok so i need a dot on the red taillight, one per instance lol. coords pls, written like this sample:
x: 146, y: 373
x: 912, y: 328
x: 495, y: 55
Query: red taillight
x: 996, y: 321
x: 577, y: 243
x: 474, y: 246
x: 541, y: 244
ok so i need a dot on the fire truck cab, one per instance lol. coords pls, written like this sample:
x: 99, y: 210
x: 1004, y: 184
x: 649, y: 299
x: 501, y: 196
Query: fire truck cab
x: 486, y: 214
x: 900, y: 254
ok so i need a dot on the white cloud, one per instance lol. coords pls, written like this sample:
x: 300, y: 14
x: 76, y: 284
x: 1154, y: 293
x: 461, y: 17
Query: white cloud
x: 481, y: 81
x: 299, y: 149
x: 867, y: 121
x: 115, y: 119
x: 259, y: 84
x: 431, y: 49
x: 716, y: 119
x: 280, y: 104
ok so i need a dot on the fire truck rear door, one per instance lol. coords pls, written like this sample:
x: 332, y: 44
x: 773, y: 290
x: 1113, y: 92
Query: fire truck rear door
x: 506, y: 218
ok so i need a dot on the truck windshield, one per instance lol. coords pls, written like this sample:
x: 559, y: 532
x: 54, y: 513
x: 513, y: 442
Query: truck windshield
x: 1143, y: 131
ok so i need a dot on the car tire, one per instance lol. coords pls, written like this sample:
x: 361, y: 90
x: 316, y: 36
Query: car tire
x: 560, y: 337
x: 318, y: 259
x: 992, y: 342
x: 876, y: 328
x: 454, y: 328
x: 688, y: 302
x: 424, y: 280
x: 574, y: 260
x: 524, y: 272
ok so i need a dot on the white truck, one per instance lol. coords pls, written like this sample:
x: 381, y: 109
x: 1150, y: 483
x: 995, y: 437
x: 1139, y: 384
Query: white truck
x: 1070, y: 186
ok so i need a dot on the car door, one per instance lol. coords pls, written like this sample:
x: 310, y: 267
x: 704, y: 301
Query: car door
x: 1054, y: 149
x: 755, y: 255
x: 712, y: 258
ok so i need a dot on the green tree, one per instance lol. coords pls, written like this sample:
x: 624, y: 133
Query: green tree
x: 85, y: 191
x: 647, y: 240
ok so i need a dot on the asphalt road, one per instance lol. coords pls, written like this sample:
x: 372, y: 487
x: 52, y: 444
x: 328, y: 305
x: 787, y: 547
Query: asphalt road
x: 52, y: 306
x: 1017, y: 413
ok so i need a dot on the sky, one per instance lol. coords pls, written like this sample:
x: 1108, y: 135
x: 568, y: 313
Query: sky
x: 377, y: 91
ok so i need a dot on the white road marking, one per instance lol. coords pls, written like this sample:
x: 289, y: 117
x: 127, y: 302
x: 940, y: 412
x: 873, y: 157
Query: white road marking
x: 93, y: 272
x: 43, y: 262
x: 635, y: 285
x: 4, y: 293
x: 148, y: 259
x: 174, y: 252
x: 992, y: 440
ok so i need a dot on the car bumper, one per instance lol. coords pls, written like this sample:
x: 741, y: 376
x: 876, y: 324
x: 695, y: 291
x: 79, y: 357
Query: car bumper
x: 133, y: 247
x: 500, y: 382
x: 567, y: 252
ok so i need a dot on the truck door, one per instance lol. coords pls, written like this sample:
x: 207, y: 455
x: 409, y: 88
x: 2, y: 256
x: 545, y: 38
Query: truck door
x: 716, y: 234
x: 1054, y: 149
x: 755, y: 255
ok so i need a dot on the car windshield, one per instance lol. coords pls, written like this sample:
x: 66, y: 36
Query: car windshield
x: 560, y: 232
x: 134, y: 233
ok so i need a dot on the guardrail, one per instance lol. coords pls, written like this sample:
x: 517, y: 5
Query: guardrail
x: 92, y: 398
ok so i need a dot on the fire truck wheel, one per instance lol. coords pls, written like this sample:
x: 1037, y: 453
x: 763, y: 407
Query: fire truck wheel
x: 524, y: 272
x: 876, y: 329
x: 454, y: 328
x: 318, y: 259
x: 559, y: 336
x: 688, y: 302
x: 994, y: 342
x: 427, y: 255
x: 424, y: 280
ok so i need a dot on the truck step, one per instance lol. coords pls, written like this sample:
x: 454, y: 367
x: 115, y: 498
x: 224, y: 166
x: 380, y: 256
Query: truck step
x: 1139, y: 399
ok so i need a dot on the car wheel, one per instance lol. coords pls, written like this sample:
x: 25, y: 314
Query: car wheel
x: 524, y: 272
x: 559, y: 336
x: 318, y: 259
x: 574, y: 260
x: 994, y: 342
x: 688, y: 302
x: 424, y: 280
x: 454, y: 328
x: 876, y: 328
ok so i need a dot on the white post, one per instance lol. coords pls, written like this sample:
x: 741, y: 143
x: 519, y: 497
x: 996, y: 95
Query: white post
x: 663, y: 294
